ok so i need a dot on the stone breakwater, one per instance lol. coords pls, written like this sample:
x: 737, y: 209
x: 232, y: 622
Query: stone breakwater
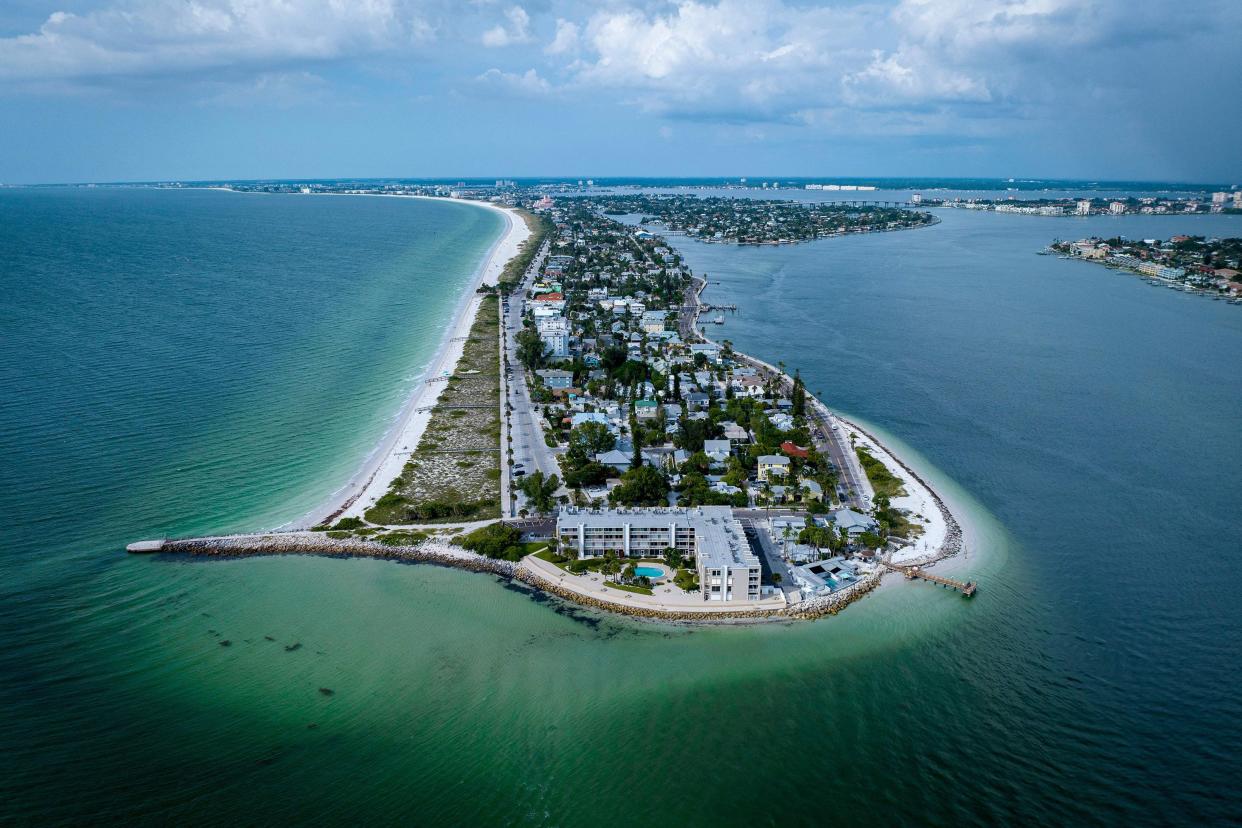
x: 316, y: 543
x: 440, y: 553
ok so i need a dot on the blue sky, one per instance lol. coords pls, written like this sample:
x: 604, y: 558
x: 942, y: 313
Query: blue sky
x: 202, y: 89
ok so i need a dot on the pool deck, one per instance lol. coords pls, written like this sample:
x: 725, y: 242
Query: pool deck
x: 664, y: 596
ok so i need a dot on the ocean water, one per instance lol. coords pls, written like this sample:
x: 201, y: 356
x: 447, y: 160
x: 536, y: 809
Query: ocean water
x: 1084, y: 423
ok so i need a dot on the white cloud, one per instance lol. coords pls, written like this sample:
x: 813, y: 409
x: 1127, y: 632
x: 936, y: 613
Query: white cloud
x: 528, y: 84
x: 566, y: 40
x: 148, y: 37
x: 742, y: 59
x: 517, y: 30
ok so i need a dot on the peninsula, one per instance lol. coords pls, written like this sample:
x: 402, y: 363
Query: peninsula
x: 1194, y: 264
x: 756, y: 221
x: 577, y: 430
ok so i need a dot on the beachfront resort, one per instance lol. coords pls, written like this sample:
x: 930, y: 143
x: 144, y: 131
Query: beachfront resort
x: 581, y: 431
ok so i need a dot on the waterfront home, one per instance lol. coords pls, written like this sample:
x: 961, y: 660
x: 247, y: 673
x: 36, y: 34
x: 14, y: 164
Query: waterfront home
x: 773, y: 466
x: 799, y: 553
x: 854, y: 523
x: 824, y: 577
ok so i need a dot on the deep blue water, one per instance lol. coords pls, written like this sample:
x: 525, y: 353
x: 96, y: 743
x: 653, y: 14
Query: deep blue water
x: 198, y: 361
x: 1095, y: 416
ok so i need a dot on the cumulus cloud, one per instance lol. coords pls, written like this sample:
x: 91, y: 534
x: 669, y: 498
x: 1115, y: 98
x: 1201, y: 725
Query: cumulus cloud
x: 527, y: 84
x: 733, y: 60
x: 515, y: 30
x: 148, y: 37
x: 566, y: 40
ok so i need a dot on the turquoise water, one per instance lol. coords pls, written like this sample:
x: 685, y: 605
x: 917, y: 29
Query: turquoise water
x: 649, y: 571
x: 1083, y: 423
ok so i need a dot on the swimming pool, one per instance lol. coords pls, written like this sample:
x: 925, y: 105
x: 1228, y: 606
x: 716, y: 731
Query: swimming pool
x: 652, y: 572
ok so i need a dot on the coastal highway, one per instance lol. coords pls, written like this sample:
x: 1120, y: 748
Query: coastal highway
x: 833, y: 439
x: 530, y: 452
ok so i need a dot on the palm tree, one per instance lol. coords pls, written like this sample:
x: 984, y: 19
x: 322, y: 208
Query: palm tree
x: 610, y: 566
x: 672, y: 558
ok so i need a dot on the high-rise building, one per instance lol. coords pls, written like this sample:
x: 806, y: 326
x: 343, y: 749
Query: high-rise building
x: 1083, y: 208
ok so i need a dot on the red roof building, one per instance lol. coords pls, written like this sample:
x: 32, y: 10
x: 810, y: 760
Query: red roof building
x: 792, y: 450
x: 550, y: 297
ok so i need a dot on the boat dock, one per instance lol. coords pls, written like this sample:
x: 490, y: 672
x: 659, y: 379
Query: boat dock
x: 967, y: 588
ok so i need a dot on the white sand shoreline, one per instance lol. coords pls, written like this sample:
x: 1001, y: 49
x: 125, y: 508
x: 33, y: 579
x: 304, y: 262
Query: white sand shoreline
x: 387, y: 459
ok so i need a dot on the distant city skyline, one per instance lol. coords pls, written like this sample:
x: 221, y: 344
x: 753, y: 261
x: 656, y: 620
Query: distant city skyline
x: 136, y: 90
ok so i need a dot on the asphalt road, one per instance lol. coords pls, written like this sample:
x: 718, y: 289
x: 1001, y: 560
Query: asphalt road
x: 530, y: 452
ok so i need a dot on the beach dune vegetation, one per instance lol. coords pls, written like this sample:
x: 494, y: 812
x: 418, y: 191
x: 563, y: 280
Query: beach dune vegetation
x: 495, y: 540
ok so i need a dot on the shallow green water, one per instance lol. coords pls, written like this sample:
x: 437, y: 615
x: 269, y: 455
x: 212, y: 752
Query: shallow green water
x: 1089, y: 683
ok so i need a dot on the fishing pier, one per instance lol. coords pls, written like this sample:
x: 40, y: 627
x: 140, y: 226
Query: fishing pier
x: 967, y: 588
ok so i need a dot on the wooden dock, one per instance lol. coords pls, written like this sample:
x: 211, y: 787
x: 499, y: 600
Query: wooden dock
x: 967, y: 588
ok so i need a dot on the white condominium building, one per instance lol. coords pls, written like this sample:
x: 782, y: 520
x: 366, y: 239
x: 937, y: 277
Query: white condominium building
x: 555, y: 335
x: 727, y: 568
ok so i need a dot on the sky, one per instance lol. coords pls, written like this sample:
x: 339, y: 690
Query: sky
x: 143, y: 90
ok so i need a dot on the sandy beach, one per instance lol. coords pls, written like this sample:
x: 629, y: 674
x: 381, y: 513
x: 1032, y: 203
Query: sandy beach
x: 385, y: 462
x: 918, y: 499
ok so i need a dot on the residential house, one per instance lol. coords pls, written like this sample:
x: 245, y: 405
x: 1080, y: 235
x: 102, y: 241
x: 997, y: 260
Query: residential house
x: 773, y: 466
x: 555, y: 378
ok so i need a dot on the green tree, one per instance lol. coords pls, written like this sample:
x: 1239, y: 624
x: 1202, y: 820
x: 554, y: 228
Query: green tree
x: 672, y: 558
x: 799, y: 396
x: 495, y: 540
x: 530, y: 348
x: 870, y: 540
x: 610, y: 565
x: 636, y: 459
x: 643, y: 486
x: 540, y: 491
x: 593, y: 438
